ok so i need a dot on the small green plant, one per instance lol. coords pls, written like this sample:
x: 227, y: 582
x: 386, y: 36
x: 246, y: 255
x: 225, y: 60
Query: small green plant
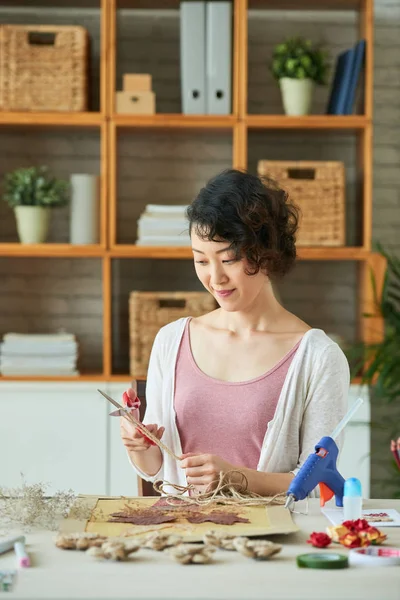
x: 34, y: 186
x: 297, y: 58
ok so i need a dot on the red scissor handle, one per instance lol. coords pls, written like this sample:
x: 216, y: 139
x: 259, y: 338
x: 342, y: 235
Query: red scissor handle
x: 127, y: 400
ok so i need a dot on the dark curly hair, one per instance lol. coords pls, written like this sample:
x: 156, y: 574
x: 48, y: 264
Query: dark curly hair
x: 253, y: 214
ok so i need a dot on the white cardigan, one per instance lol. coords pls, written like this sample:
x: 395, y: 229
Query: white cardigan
x: 312, y: 401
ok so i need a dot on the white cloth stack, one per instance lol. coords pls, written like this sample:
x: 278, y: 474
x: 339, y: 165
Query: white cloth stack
x: 39, y: 354
x: 161, y: 225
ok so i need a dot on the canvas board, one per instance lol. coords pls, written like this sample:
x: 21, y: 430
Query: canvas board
x: 263, y: 520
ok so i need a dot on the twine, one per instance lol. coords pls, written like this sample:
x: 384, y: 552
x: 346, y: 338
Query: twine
x: 226, y: 492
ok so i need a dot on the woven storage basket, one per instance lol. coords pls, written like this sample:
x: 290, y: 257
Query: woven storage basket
x: 43, y: 67
x: 149, y: 311
x: 318, y: 188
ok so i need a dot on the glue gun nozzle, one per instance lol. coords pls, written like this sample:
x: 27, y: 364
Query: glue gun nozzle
x: 289, y: 501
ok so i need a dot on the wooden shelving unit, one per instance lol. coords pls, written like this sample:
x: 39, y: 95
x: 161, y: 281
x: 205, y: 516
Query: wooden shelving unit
x: 49, y: 119
x: 239, y: 123
x: 318, y: 122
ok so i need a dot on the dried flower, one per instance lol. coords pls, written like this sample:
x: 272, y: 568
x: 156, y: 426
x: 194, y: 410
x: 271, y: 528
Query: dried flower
x: 113, y: 550
x: 356, y: 525
x: 29, y: 505
x: 158, y: 541
x: 355, y: 534
x: 336, y: 532
x: 191, y: 553
x: 257, y: 549
x: 373, y: 536
x: 319, y: 539
x: 350, y: 540
x: 79, y: 541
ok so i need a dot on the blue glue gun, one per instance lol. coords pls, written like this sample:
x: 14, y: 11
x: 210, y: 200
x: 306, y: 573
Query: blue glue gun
x: 319, y: 469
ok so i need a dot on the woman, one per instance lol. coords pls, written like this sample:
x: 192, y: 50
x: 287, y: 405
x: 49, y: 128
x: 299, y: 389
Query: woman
x: 249, y: 386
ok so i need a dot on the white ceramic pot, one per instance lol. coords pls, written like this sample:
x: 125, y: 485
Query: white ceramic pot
x: 32, y: 223
x: 297, y: 95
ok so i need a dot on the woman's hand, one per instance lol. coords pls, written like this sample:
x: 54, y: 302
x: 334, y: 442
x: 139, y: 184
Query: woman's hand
x: 131, y: 436
x: 134, y: 440
x: 204, y: 469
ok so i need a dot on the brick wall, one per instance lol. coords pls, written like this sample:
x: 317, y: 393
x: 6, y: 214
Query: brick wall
x: 41, y: 294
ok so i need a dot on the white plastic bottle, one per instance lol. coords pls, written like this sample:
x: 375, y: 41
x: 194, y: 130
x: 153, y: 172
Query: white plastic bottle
x: 352, y: 499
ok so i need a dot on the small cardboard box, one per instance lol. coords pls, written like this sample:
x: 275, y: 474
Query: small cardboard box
x: 135, y: 103
x: 136, y: 82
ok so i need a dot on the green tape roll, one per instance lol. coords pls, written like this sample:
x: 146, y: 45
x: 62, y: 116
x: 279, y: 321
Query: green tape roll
x: 326, y: 560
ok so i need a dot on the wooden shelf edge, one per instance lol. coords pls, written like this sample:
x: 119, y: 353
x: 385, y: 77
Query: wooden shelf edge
x: 84, y: 377
x: 175, y: 121
x: 305, y: 5
x: 333, y: 253
x: 335, y: 122
x: 133, y: 251
x: 54, y: 378
x: 161, y: 252
x: 49, y: 250
x: 61, y: 119
x: 185, y: 252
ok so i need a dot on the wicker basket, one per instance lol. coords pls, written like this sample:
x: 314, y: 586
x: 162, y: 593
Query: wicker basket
x: 149, y: 311
x: 43, y: 67
x: 318, y: 188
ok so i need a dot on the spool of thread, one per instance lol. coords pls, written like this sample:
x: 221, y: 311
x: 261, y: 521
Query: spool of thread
x: 325, y: 560
x: 375, y: 556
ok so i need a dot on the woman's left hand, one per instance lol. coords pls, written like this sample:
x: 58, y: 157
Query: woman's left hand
x: 204, y: 469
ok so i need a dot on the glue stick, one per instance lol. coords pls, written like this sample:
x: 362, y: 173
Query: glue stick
x: 352, y: 499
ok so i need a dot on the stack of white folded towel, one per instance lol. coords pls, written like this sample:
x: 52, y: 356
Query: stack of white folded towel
x: 161, y: 225
x: 39, y: 354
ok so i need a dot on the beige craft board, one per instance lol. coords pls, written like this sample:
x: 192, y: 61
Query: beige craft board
x: 262, y: 520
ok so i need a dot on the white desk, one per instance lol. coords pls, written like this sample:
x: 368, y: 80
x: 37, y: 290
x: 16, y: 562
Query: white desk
x: 60, y: 574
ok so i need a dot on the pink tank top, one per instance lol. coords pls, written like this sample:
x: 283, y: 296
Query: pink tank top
x: 228, y: 419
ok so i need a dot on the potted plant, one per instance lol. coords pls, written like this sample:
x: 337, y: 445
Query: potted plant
x: 298, y: 66
x: 32, y: 192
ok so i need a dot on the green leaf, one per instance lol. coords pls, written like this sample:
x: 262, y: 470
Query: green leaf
x: 34, y: 186
x: 298, y: 58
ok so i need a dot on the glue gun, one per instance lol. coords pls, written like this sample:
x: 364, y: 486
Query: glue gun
x: 320, y: 469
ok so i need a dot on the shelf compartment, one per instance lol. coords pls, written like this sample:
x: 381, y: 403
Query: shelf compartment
x: 49, y: 250
x: 48, y: 294
x: 176, y: 121
x: 155, y: 168
x: 331, y: 122
x: 50, y: 119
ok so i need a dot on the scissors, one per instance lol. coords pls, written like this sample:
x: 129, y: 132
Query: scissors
x: 123, y: 412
